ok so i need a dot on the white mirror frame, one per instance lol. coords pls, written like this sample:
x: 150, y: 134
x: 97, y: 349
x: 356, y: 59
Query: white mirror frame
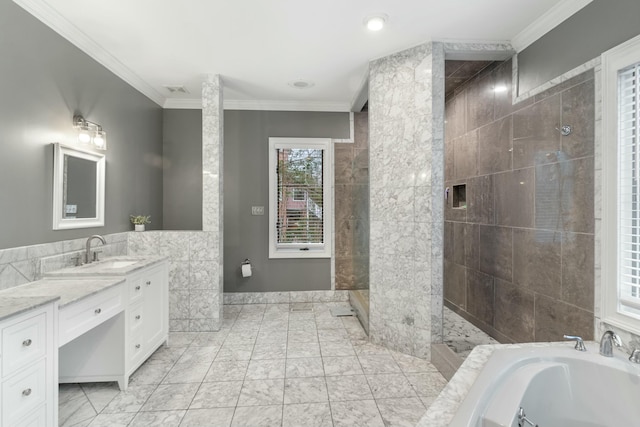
x: 59, y: 222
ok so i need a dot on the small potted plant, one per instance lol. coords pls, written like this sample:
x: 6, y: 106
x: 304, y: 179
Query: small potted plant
x: 139, y: 221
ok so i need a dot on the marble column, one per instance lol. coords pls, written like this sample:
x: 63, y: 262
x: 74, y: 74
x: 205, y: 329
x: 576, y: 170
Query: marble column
x: 406, y: 109
x: 212, y: 200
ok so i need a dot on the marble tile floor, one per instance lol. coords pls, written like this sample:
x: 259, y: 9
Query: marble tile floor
x: 268, y: 366
x: 461, y: 336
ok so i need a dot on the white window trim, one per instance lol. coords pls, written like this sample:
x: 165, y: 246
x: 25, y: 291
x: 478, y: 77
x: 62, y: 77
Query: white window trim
x: 613, y: 60
x: 317, y: 251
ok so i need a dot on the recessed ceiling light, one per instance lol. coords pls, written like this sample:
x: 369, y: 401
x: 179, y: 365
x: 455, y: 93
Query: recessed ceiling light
x: 301, y: 84
x: 176, y: 89
x: 375, y: 22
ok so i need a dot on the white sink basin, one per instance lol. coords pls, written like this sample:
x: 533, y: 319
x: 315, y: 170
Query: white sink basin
x: 115, y: 264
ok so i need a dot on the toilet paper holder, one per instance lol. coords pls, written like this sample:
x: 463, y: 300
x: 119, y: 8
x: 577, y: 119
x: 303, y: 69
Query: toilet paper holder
x: 246, y: 261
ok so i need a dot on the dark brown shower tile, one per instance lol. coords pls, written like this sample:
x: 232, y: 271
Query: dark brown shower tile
x: 458, y: 242
x: 535, y: 138
x: 555, y: 318
x: 360, y: 230
x: 344, y: 273
x: 480, y: 302
x: 536, y: 261
x: 344, y: 238
x: 361, y: 130
x: 577, y: 269
x: 494, y: 147
x: 343, y: 169
x: 360, y: 201
x: 343, y: 196
x: 449, y: 160
x: 514, y: 198
x: 448, y: 241
x: 480, y: 203
x: 573, y: 81
x: 480, y: 102
x: 578, y: 111
x: 361, y: 166
x: 455, y: 284
x: 455, y: 116
x: 360, y: 272
x: 472, y: 245
x: 496, y: 244
x: 514, y: 311
x: 466, y: 155
x: 564, y: 196
x: 503, y: 76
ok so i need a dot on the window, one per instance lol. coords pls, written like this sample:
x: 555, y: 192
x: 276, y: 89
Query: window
x: 621, y: 192
x: 300, y: 177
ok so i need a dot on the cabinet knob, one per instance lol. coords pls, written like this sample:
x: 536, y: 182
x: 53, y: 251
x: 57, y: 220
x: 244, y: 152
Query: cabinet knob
x: 138, y: 317
x: 137, y: 345
x: 98, y: 311
x: 27, y: 342
x: 138, y: 288
x: 148, y: 282
x: 26, y: 392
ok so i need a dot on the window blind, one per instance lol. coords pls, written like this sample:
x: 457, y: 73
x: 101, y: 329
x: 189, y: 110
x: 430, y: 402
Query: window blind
x: 628, y: 194
x: 300, y: 209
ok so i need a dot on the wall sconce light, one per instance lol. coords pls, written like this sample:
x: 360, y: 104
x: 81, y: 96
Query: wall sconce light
x: 90, y: 133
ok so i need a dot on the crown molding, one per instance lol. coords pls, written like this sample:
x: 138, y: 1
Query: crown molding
x: 183, y: 103
x: 548, y: 21
x: 241, y: 104
x: 51, y: 18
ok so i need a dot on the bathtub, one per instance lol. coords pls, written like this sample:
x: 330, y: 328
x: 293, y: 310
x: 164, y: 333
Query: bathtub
x: 556, y: 386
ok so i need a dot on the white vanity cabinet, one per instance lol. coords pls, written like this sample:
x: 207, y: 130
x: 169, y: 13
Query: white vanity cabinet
x: 147, y: 319
x: 108, y: 335
x: 29, y: 368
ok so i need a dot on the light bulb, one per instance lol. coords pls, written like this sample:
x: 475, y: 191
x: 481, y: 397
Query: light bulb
x: 83, y: 135
x: 375, y: 23
x: 100, y: 140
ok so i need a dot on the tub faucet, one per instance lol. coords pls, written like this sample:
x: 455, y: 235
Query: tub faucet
x: 87, y: 255
x: 608, y: 340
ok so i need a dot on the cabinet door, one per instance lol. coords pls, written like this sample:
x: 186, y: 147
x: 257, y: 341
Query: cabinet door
x: 155, y: 306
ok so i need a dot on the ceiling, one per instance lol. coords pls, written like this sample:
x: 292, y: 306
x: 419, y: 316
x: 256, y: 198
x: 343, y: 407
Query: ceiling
x: 259, y: 46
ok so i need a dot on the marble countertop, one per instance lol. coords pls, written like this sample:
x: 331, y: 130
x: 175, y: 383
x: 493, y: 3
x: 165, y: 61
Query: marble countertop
x: 67, y: 290
x: 10, y: 306
x: 114, y: 266
x: 444, y: 408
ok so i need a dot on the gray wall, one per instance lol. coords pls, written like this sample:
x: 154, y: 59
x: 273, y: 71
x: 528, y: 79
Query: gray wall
x: 182, y: 179
x: 598, y: 27
x: 246, y: 142
x: 45, y: 81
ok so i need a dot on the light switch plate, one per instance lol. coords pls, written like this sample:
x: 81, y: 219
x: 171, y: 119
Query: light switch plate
x: 257, y: 210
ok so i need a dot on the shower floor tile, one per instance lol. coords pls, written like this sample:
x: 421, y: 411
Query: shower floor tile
x: 269, y: 366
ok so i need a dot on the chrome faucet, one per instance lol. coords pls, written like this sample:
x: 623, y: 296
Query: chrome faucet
x: 608, y: 340
x: 87, y: 255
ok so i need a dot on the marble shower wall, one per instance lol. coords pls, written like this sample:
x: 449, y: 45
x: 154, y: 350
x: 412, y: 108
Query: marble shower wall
x: 519, y: 251
x: 406, y: 178
x: 352, y: 208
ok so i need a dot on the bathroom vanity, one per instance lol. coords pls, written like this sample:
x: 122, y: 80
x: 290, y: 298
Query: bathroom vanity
x: 107, y: 336
x: 92, y: 323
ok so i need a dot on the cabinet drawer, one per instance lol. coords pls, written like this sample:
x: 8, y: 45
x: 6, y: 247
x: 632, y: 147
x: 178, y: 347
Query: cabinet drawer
x: 136, y: 347
x: 81, y: 316
x: 37, y: 418
x: 136, y: 317
x: 136, y: 289
x: 23, y: 392
x: 23, y: 343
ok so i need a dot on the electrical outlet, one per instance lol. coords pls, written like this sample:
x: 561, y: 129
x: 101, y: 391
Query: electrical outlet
x: 257, y: 210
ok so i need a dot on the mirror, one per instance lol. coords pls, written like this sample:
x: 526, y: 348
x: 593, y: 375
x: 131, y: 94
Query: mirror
x: 78, y: 188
